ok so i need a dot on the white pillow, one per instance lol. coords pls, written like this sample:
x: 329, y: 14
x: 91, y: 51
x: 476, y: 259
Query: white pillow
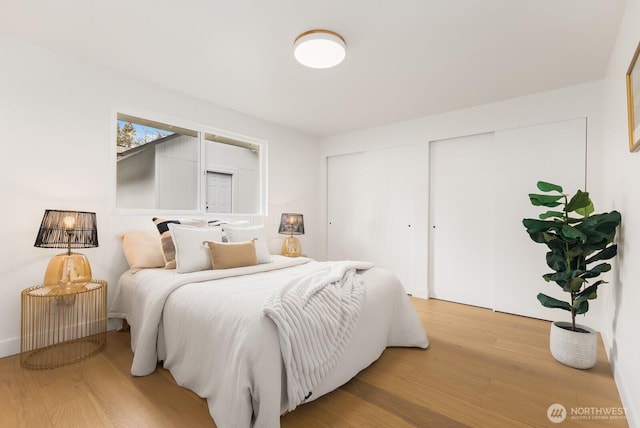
x: 192, y: 252
x: 247, y: 233
x: 168, y: 249
x: 142, y: 250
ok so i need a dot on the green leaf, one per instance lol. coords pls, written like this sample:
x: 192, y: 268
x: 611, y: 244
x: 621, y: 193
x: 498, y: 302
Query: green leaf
x: 575, y: 284
x: 573, y: 233
x: 588, y: 293
x: 564, y: 275
x: 605, y: 254
x: 586, y: 211
x: 596, y: 271
x: 545, y: 200
x: 614, y: 217
x: 607, y: 222
x: 600, y: 281
x: 556, y: 261
x: 572, y: 220
x: 550, y: 214
x: 578, y: 201
x: 582, y: 307
x: 552, y: 302
x: 548, y: 187
x: 537, y: 237
x: 534, y: 225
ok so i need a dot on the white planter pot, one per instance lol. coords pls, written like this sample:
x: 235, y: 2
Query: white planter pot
x: 572, y: 348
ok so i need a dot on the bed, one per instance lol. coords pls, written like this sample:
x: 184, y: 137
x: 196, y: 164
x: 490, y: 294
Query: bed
x: 238, y: 337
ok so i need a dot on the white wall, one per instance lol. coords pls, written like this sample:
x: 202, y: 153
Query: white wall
x: 621, y: 182
x: 57, y: 124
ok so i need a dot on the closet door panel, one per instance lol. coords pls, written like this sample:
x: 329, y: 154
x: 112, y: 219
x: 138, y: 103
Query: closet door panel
x: 553, y: 152
x: 374, y: 199
x: 460, y: 216
x: 345, y: 199
x: 480, y: 253
x: 390, y: 211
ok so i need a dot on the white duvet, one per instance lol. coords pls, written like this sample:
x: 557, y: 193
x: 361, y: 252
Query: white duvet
x: 210, y: 330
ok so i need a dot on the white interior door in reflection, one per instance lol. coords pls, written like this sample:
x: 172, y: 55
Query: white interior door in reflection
x: 219, y: 195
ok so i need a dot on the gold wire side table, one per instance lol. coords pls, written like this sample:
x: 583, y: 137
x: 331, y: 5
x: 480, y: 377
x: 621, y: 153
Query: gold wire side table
x: 62, y: 326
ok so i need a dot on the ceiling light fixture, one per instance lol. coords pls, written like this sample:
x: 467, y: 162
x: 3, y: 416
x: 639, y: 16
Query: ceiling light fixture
x: 319, y: 48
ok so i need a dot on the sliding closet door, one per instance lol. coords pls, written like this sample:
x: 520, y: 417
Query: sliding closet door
x: 345, y: 199
x: 377, y: 209
x: 480, y: 253
x: 389, y: 209
x: 461, y: 219
x: 553, y: 152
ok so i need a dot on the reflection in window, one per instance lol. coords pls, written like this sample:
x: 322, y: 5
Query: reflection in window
x: 132, y: 135
x: 232, y: 175
x: 158, y: 168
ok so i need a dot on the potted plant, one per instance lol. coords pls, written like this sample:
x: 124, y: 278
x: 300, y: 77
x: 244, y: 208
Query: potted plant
x: 578, y: 242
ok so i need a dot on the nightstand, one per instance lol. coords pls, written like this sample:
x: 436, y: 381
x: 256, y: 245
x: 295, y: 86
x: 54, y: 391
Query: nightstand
x: 62, y: 326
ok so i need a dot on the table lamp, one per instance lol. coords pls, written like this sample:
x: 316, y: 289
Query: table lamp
x: 67, y: 229
x: 291, y: 224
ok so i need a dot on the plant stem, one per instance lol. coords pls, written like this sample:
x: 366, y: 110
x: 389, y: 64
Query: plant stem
x: 566, y: 221
x: 573, y: 313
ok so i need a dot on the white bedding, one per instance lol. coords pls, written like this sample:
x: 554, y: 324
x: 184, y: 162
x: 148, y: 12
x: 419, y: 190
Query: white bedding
x: 209, y: 329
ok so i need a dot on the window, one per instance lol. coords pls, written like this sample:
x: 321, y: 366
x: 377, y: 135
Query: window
x: 168, y: 167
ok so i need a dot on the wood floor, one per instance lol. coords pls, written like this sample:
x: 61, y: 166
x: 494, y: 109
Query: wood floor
x: 482, y: 369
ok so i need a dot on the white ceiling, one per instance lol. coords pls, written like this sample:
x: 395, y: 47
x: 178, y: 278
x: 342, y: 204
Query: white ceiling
x: 405, y: 58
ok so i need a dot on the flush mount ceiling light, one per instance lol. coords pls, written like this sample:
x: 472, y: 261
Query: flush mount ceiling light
x: 319, y: 48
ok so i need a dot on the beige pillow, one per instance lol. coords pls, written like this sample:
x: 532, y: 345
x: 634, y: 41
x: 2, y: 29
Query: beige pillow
x: 142, y: 250
x: 225, y: 255
x: 240, y: 233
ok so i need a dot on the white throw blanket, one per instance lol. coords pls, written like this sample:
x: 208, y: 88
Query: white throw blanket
x: 316, y: 316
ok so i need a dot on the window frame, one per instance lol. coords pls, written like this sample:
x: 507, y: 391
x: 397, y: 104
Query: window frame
x: 203, y: 131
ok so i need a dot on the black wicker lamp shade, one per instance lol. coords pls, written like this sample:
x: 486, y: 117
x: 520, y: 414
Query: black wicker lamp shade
x: 291, y: 224
x: 67, y: 229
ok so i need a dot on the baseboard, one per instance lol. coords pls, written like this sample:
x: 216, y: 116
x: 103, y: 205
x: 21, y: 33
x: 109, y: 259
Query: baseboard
x: 9, y: 347
x: 628, y: 402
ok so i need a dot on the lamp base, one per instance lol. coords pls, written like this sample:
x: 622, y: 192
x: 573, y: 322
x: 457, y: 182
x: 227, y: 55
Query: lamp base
x: 291, y: 247
x: 68, y: 270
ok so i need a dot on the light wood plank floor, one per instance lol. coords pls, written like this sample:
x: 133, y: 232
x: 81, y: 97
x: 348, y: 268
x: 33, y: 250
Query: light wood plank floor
x: 482, y: 369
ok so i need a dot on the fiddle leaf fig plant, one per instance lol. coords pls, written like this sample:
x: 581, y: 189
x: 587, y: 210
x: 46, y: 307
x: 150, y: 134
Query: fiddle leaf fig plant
x: 578, y: 241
